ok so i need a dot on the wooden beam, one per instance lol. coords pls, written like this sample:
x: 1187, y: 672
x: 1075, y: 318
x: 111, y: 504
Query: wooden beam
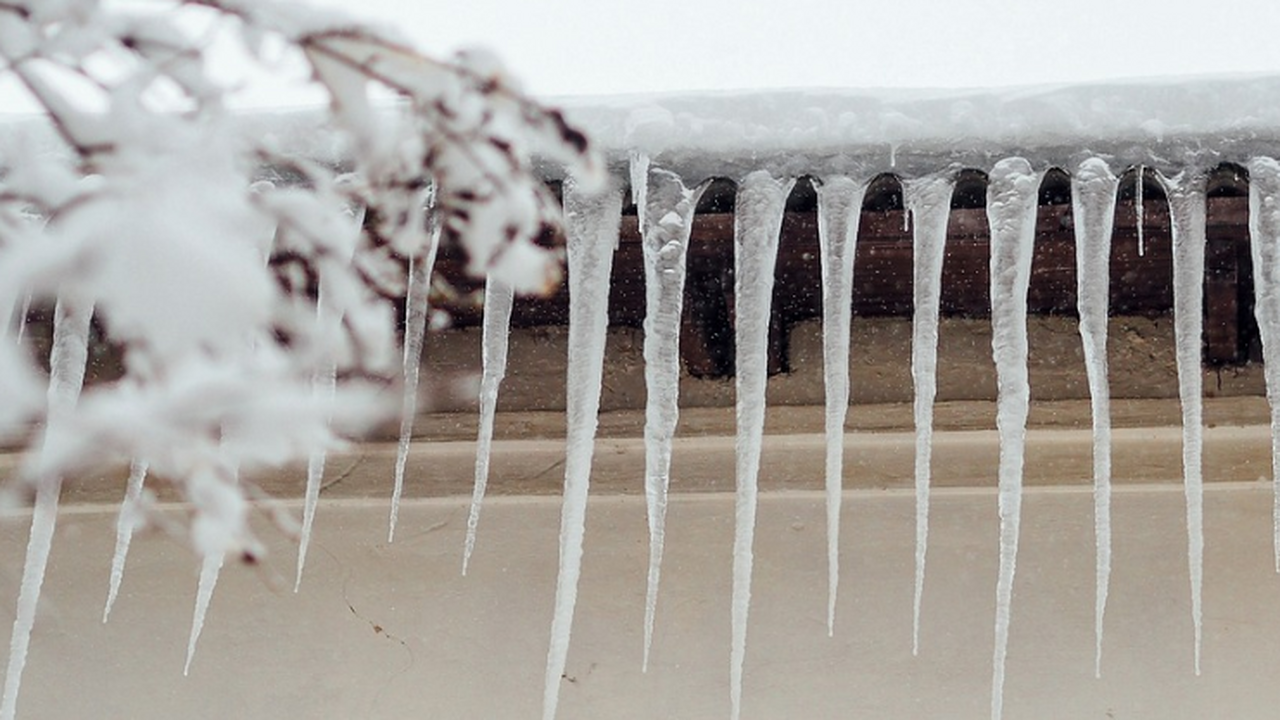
x: 1141, y: 282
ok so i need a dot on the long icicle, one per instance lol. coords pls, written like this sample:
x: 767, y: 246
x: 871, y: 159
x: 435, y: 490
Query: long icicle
x: 667, y: 222
x: 324, y: 383
x: 126, y: 522
x: 839, y: 211
x: 1012, y: 197
x: 210, y: 568
x: 22, y: 319
x: 67, y: 364
x: 761, y: 202
x: 415, y: 333
x: 498, y: 300
x: 1093, y: 205
x: 1264, y: 236
x: 929, y: 200
x: 1187, y: 215
x: 592, y: 223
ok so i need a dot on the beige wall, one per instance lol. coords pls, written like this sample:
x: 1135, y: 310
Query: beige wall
x: 394, y: 632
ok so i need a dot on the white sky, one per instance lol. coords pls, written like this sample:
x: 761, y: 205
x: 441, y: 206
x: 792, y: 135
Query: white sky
x: 603, y: 47
x: 572, y: 47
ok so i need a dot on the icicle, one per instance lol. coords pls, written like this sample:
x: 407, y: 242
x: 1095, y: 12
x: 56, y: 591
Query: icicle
x: 668, y: 222
x: 757, y: 223
x: 43, y: 521
x: 592, y: 225
x: 22, y: 319
x: 1137, y: 210
x: 1093, y: 207
x: 639, y: 185
x: 930, y: 201
x: 498, y: 299
x: 126, y: 522
x: 1264, y: 234
x: 210, y: 567
x: 839, y: 210
x: 1012, y: 197
x: 1187, y: 218
x: 415, y: 332
x: 324, y: 384
x: 67, y: 364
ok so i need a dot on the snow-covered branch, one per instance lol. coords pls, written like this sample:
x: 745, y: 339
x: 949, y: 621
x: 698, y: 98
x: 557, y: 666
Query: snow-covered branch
x: 202, y: 246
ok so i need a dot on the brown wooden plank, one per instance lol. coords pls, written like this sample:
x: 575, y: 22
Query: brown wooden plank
x: 1221, y: 298
x: 1141, y: 283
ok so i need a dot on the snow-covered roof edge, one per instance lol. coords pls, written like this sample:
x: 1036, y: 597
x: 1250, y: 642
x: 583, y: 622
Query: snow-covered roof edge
x: 1168, y: 124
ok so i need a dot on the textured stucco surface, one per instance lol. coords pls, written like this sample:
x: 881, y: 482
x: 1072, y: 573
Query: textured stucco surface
x: 393, y: 631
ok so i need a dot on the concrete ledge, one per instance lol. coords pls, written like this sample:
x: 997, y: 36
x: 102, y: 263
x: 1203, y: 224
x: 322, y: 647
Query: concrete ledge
x: 528, y: 457
x: 788, y: 462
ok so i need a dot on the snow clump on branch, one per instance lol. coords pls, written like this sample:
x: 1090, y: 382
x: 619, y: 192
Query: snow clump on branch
x: 202, y: 246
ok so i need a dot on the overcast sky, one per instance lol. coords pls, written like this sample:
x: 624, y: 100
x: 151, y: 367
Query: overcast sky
x: 573, y: 47
x: 598, y: 47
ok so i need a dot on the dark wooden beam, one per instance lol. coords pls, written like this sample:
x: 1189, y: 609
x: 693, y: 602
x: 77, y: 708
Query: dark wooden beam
x: 1141, y: 282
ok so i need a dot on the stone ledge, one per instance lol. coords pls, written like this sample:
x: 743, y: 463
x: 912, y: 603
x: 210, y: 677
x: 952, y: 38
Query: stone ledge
x: 1054, y: 457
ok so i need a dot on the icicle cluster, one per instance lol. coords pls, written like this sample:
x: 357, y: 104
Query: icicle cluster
x: 206, y: 248
x: 272, y: 370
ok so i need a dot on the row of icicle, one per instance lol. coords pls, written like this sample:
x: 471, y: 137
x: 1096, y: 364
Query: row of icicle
x: 666, y: 207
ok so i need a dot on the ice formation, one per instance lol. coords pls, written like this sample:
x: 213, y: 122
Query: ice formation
x: 210, y: 568
x: 498, y: 299
x: 639, y: 167
x: 1187, y: 214
x: 929, y: 200
x: 757, y: 223
x: 666, y: 224
x: 415, y: 333
x: 324, y: 385
x: 591, y: 224
x: 22, y: 319
x: 1093, y: 195
x: 1140, y: 215
x: 928, y: 135
x: 44, y: 518
x: 1012, y: 197
x: 839, y: 211
x: 1264, y: 235
x: 67, y: 363
x: 126, y: 523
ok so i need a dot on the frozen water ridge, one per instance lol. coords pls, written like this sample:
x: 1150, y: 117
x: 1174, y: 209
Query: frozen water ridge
x: 666, y: 150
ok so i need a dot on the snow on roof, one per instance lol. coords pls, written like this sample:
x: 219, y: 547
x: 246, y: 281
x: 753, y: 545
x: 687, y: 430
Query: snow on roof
x: 1167, y: 123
